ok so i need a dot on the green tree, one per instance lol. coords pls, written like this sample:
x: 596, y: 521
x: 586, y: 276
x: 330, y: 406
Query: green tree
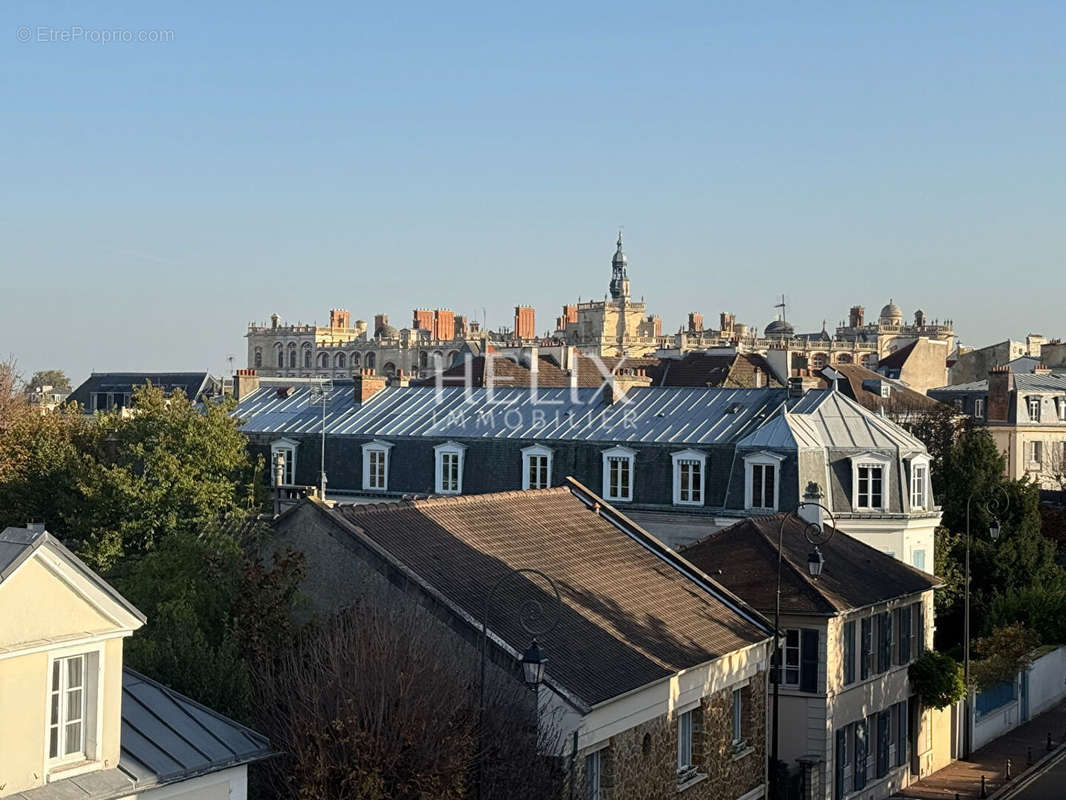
x: 1002, y: 653
x: 49, y: 377
x: 937, y: 679
x: 1040, y: 607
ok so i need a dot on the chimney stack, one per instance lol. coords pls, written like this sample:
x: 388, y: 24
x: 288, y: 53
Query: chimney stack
x: 810, y: 510
x: 1000, y: 383
x: 245, y: 382
x: 367, y: 384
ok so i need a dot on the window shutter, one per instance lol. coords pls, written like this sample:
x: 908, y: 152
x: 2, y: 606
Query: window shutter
x: 841, y: 754
x: 809, y: 660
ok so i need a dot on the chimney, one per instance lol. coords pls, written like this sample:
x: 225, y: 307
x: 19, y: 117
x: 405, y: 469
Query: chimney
x: 244, y: 383
x: 367, y: 384
x: 1041, y: 369
x: 810, y: 509
x: 1000, y: 384
x: 795, y: 387
x: 532, y: 354
x: 400, y: 379
x: 35, y: 527
x: 615, y: 389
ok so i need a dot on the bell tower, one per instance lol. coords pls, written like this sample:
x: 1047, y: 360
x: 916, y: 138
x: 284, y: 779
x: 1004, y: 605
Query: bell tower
x: 619, y: 276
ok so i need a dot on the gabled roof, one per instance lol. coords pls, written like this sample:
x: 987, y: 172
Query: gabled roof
x: 19, y: 544
x: 632, y: 613
x: 743, y: 558
x: 193, y: 384
x: 166, y: 738
x: 897, y: 359
x: 901, y: 398
x: 703, y: 369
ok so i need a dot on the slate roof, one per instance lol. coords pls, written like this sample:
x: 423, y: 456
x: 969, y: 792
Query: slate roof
x: 897, y: 359
x: 18, y: 544
x: 1039, y: 382
x: 651, y: 415
x: 975, y: 386
x: 166, y: 738
x: 632, y: 612
x: 743, y: 558
x: 506, y: 372
x: 193, y: 384
x: 703, y: 369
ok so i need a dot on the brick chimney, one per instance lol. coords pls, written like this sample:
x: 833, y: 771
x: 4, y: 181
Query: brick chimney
x: 1000, y: 384
x: 400, y: 379
x: 1041, y: 369
x: 244, y: 383
x: 619, y: 385
x: 367, y: 384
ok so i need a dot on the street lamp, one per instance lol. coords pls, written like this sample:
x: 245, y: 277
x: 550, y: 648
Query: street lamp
x: 536, y: 620
x: 996, y: 504
x: 816, y: 534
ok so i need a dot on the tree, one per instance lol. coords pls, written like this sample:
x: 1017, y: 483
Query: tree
x: 380, y: 703
x: 937, y: 679
x: 1002, y: 653
x: 116, y: 485
x: 12, y: 399
x: 939, y: 429
x: 49, y: 377
x: 1041, y: 608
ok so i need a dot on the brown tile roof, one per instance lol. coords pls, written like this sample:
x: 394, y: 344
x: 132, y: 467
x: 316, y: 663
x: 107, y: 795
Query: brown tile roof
x: 506, y: 372
x: 901, y: 399
x: 701, y: 369
x: 743, y: 558
x: 630, y: 616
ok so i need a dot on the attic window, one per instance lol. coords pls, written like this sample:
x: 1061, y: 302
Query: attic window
x: 284, y: 391
x: 886, y: 389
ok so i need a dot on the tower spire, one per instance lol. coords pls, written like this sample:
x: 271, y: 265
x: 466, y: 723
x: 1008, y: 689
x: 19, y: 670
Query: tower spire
x: 619, y: 275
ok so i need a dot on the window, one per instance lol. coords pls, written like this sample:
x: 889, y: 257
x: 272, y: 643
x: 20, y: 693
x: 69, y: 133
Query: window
x: 801, y: 659
x: 689, y: 477
x: 900, y: 727
x: 1036, y: 452
x: 307, y: 358
x: 884, y: 738
x: 67, y: 704
x: 792, y: 657
x: 450, y: 467
x: 919, y: 485
x: 536, y: 467
x: 258, y: 362
x: 592, y: 776
x: 861, y: 745
x: 376, y: 466
x: 286, y: 448
x: 281, y: 357
x: 684, y: 744
x: 871, y: 479
x: 866, y: 657
x: 738, y: 717
x: 842, y: 764
x: 884, y: 641
x: 918, y: 559
x: 979, y: 408
x: 1034, y: 409
x: 905, y: 631
x: 292, y: 357
x: 618, y: 473
x: 918, y: 630
x: 339, y: 361
x: 761, y: 487
x: 100, y: 401
x: 849, y: 652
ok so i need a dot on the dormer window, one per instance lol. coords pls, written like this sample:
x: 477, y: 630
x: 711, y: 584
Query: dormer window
x: 762, y: 481
x: 449, y: 471
x: 376, y: 466
x: 285, y: 449
x: 536, y: 467
x: 1034, y: 409
x: 919, y: 483
x: 979, y: 408
x: 73, y: 695
x: 689, y: 477
x: 869, y: 477
x: 618, y: 474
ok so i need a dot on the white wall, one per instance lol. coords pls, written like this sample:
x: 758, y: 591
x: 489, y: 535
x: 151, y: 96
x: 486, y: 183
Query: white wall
x: 227, y: 784
x: 1047, y: 686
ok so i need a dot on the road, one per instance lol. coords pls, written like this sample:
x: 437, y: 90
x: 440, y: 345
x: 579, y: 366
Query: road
x: 1049, y: 786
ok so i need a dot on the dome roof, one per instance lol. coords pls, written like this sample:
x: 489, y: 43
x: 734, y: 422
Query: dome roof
x: 779, y: 328
x: 891, y: 311
x: 386, y: 331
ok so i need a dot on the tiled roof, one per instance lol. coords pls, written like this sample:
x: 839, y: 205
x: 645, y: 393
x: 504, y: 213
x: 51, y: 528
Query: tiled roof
x: 166, y: 738
x: 193, y: 384
x: 702, y: 369
x: 632, y: 611
x: 901, y: 398
x: 743, y: 558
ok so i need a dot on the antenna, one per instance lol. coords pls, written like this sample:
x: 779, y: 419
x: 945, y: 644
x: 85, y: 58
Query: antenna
x: 782, y: 306
x: 319, y: 394
x: 231, y: 358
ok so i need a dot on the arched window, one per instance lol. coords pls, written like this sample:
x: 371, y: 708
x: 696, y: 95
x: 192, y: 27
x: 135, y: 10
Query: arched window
x: 339, y: 361
x: 258, y: 362
x: 818, y: 360
x: 292, y: 356
x: 844, y: 358
x: 453, y: 358
x: 280, y: 353
x: 868, y: 360
x: 423, y: 360
x: 390, y: 368
x: 355, y: 360
x: 323, y: 360
x: 371, y: 361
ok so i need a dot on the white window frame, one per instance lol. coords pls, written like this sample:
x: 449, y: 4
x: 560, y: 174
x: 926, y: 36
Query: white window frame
x: 593, y: 775
x: 1034, y: 457
x: 449, y: 449
x: 376, y: 446
x: 528, y: 454
x: 623, y: 453
x: 289, y: 447
x: 914, y: 558
x: 785, y: 667
x: 870, y: 460
x: 738, y: 717
x: 978, y: 408
x: 89, y: 756
x: 689, y: 457
x: 920, y: 463
x: 685, y: 741
x: 1034, y: 401
x: 764, y: 459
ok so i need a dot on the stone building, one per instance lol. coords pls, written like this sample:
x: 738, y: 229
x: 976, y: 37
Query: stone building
x: 682, y: 461
x: 615, y: 326
x: 655, y: 680
x: 849, y: 722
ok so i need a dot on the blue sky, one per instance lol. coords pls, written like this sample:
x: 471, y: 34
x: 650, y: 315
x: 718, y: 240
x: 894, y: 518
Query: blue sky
x: 157, y: 196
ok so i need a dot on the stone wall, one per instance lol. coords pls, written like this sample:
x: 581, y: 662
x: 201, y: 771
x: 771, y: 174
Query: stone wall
x: 641, y: 763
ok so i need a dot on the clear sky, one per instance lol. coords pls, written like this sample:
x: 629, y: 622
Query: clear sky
x: 291, y: 157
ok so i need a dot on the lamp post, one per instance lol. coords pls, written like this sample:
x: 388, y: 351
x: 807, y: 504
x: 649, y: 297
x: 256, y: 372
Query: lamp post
x: 319, y: 393
x: 996, y: 505
x: 536, y: 620
x: 816, y: 535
